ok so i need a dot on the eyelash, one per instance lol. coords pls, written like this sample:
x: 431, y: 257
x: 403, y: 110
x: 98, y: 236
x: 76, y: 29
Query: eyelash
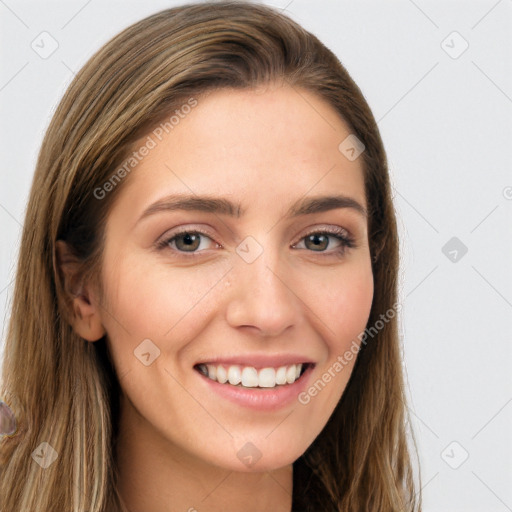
x: 347, y: 241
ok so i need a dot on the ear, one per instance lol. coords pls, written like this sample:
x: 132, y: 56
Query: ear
x: 84, y: 314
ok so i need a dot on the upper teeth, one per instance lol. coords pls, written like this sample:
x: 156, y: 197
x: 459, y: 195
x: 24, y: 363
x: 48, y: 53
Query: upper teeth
x: 249, y: 377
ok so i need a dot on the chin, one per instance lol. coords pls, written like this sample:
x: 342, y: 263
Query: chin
x: 258, y: 456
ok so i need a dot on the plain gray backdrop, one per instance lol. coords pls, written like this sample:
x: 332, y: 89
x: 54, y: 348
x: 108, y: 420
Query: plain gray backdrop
x: 437, y: 75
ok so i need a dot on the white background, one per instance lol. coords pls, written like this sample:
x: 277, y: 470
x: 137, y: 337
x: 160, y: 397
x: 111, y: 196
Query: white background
x: 447, y: 127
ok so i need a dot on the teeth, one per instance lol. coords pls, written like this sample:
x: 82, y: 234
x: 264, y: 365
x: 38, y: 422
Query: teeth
x: 267, y: 377
x: 281, y: 375
x: 222, y: 375
x: 249, y: 377
x: 290, y: 374
x: 212, y: 370
x: 234, y: 375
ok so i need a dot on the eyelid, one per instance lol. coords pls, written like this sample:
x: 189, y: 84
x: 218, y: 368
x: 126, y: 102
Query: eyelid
x: 332, y: 230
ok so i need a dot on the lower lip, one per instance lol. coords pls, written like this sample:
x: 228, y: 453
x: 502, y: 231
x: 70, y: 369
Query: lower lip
x: 261, y: 399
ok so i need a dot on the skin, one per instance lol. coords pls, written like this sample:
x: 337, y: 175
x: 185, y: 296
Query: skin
x: 265, y: 148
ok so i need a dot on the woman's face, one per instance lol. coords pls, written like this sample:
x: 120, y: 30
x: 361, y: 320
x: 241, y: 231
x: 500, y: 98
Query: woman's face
x: 249, y: 289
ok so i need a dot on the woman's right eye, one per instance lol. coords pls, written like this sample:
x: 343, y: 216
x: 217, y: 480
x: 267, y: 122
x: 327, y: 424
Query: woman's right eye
x: 185, y: 242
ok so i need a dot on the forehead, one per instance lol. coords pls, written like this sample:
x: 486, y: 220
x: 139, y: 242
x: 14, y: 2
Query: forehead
x: 263, y: 146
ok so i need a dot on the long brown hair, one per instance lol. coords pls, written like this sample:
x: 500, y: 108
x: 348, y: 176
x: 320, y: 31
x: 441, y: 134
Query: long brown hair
x: 64, y: 390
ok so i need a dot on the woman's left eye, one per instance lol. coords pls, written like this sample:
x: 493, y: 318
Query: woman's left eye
x: 316, y: 241
x: 320, y: 240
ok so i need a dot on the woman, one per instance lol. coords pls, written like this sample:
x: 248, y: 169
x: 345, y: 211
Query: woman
x: 204, y: 315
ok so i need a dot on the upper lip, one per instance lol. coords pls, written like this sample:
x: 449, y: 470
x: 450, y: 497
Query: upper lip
x: 258, y: 361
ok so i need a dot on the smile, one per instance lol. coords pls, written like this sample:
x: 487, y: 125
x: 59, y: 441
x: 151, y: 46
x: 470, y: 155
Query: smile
x: 250, y: 377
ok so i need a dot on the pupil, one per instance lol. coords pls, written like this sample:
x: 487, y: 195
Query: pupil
x: 316, y: 242
x: 189, y: 241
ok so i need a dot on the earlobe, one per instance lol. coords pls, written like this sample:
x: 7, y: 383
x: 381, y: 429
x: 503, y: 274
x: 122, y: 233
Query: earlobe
x: 84, y: 314
x: 86, y: 320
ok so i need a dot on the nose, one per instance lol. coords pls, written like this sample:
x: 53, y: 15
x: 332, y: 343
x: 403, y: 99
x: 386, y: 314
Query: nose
x: 262, y: 297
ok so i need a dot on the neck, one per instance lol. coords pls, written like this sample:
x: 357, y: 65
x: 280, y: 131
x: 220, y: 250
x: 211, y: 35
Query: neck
x: 155, y: 475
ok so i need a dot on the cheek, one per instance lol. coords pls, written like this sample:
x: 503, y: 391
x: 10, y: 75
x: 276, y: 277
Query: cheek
x: 347, y: 300
x: 346, y: 303
x: 156, y: 301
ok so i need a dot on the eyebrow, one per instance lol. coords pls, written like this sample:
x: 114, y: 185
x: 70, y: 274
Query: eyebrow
x: 223, y: 206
